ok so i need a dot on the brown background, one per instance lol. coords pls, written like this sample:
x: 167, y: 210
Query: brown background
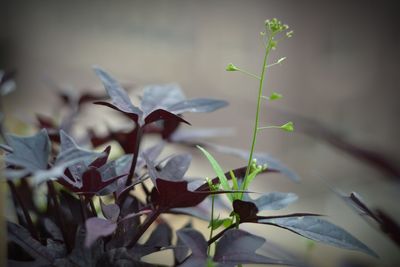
x: 342, y: 68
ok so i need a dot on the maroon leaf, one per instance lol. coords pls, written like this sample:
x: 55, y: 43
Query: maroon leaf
x: 100, y: 161
x: 96, y: 228
x: 133, y: 116
x: 161, y: 114
x: 111, y: 211
x: 197, y: 244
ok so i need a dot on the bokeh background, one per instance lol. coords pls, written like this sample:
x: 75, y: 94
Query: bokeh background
x: 341, y: 69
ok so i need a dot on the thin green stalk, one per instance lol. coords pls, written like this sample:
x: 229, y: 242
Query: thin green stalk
x: 260, y: 90
x: 212, y: 228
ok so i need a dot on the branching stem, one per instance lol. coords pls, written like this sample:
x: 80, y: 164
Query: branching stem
x: 256, y: 122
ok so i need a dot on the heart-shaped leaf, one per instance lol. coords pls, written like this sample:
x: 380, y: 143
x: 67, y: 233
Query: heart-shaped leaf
x: 320, y: 230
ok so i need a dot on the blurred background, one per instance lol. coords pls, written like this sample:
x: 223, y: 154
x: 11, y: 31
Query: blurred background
x: 341, y: 69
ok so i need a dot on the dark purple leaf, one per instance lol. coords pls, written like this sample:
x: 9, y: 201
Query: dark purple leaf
x: 247, y: 211
x: 133, y: 116
x: 389, y: 226
x: 121, y: 257
x: 110, y: 212
x: 159, y: 238
x: 20, y: 236
x: 127, y: 227
x: 161, y: 114
x: 152, y: 153
x: 92, y: 182
x: 82, y: 255
x: 160, y: 96
x: 30, y: 153
x: 181, y: 251
x: 197, y: 105
x: 195, y: 241
x: 272, y: 200
x: 320, y: 230
x: 239, y: 247
x: 171, y: 194
x: 52, y: 229
x: 385, y: 222
x: 118, y: 95
x: 96, y: 228
x: 176, y: 167
x: 100, y: 161
x: 167, y: 195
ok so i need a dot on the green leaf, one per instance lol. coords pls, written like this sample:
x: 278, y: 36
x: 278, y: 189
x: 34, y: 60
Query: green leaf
x: 218, y: 171
x: 231, y: 67
x: 275, y: 96
x: 289, y: 127
x: 216, y: 223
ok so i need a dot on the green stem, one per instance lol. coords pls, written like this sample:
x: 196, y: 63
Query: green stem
x: 260, y: 90
x: 211, y: 223
x: 269, y: 127
x: 248, y: 73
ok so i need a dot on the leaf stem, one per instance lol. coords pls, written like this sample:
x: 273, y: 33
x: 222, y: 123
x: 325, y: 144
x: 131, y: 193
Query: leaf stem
x: 83, y: 208
x: 260, y: 90
x: 138, y: 139
x: 56, y: 204
x: 248, y: 73
x: 25, y: 211
x: 211, y: 224
x: 92, y: 207
x: 142, y: 229
x: 269, y: 127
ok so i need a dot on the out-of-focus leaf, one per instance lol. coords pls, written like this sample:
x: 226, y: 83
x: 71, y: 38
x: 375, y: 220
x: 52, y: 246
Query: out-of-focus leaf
x: 82, y: 255
x: 239, y: 247
x: 320, y: 131
x: 96, y: 228
x: 30, y: 153
x: 7, y: 84
x: 272, y: 200
x: 384, y: 221
x: 192, y: 135
x: 42, y: 256
x: 320, y: 230
x: 197, y: 105
x: 262, y: 158
x: 121, y: 257
x: 110, y: 211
